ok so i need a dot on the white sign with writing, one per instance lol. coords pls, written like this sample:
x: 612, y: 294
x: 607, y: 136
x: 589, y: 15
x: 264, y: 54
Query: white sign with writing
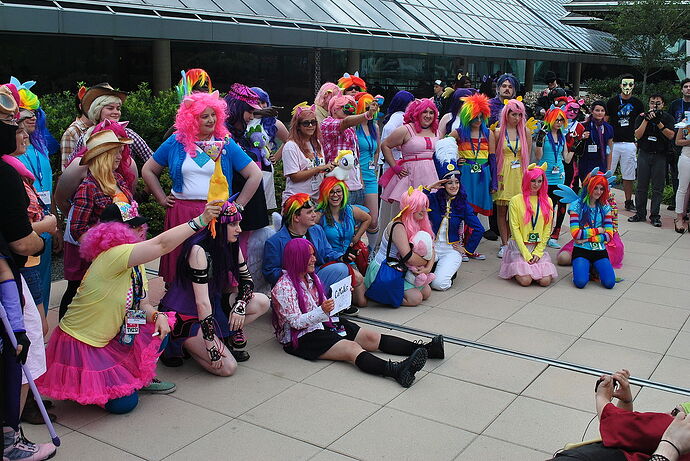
x: 341, y: 294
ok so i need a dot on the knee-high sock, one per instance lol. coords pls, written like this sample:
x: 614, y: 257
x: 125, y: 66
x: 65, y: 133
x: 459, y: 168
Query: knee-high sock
x: 397, y: 346
x: 606, y: 273
x: 369, y: 363
x: 581, y: 272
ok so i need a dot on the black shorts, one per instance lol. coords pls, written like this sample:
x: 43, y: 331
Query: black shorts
x: 590, y: 255
x: 316, y: 343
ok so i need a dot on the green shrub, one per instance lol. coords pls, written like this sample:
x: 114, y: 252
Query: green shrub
x: 611, y: 86
x: 150, y: 115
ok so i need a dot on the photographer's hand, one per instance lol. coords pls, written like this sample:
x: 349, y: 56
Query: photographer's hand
x: 604, y: 393
x: 623, y: 392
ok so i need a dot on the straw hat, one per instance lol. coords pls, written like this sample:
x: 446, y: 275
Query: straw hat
x: 101, y: 142
x: 95, y: 91
x: 8, y: 105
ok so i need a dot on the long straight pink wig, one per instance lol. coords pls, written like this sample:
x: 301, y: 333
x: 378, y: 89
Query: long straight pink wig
x: 546, y: 209
x: 417, y: 201
x: 413, y: 114
x: 525, y: 141
x: 187, y: 119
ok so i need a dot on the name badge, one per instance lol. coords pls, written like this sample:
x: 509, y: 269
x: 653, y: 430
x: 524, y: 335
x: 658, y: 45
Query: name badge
x: 533, y: 237
x: 597, y: 246
x: 515, y: 164
x: 556, y: 170
x: 45, y: 197
x: 624, y: 122
x: 372, y: 165
x: 315, y: 183
x: 136, y: 317
x: 592, y: 148
x: 651, y: 138
x: 475, y: 168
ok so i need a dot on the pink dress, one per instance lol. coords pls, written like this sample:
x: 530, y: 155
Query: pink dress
x: 418, y: 160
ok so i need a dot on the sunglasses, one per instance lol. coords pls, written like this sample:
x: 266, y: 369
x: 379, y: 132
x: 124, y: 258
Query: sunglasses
x: 352, y: 88
x: 26, y: 114
x: 559, y: 119
x: 308, y: 122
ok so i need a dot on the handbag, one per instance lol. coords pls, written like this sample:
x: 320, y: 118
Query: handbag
x: 389, y: 285
x: 362, y: 256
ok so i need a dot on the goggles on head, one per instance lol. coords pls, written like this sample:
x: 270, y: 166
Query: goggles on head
x: 348, y: 109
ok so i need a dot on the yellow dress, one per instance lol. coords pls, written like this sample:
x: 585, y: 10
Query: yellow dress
x: 511, y: 184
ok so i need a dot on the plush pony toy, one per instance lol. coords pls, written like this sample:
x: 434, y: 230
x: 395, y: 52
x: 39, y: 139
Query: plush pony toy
x: 423, y: 245
x: 345, y: 162
x: 258, y: 142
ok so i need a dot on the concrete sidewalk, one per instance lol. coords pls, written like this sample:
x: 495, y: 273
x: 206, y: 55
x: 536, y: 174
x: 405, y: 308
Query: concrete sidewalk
x: 472, y: 405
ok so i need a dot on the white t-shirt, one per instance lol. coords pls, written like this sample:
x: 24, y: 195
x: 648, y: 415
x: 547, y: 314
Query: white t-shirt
x: 196, y: 179
x: 395, y: 122
x: 295, y: 161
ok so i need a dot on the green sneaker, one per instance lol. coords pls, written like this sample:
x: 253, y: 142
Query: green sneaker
x: 156, y: 386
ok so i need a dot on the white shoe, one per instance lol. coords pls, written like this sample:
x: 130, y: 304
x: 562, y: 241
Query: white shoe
x: 465, y: 258
x: 501, y: 251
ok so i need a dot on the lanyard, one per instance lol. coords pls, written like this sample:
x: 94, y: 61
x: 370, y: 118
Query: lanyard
x: 138, y: 292
x: 536, y: 216
x: 479, y: 146
x: 517, y: 144
x: 370, y: 143
x: 558, y: 150
x: 37, y: 171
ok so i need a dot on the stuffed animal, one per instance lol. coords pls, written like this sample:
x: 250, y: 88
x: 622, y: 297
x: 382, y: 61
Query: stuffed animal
x: 258, y: 145
x: 345, y: 162
x: 423, y: 245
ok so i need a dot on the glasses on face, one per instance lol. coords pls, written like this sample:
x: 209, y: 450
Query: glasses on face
x: 352, y: 88
x: 308, y: 122
x: 336, y: 192
x: 559, y: 119
x: 26, y: 114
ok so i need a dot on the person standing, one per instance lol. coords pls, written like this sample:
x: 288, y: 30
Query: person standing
x: 622, y: 110
x: 439, y: 100
x: 75, y: 131
x: 677, y: 109
x: 653, y: 131
x: 507, y: 88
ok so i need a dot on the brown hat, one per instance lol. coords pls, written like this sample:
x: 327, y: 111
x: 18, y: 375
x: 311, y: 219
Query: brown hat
x: 101, y: 142
x: 95, y: 91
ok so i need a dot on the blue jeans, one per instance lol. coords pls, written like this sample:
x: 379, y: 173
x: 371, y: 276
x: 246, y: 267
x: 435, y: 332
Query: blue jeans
x: 331, y: 274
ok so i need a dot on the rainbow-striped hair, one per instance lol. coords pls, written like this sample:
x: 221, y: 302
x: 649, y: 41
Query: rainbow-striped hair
x: 193, y: 80
x: 552, y: 115
x: 545, y: 207
x: 27, y: 98
x: 363, y: 100
x: 473, y: 107
x: 293, y: 204
x: 590, y: 182
x: 347, y: 81
x: 414, y: 110
x: 326, y: 186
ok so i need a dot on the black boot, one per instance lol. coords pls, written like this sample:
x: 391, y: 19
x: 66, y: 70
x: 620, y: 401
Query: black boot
x: 630, y: 205
x: 403, y: 371
x: 435, y: 348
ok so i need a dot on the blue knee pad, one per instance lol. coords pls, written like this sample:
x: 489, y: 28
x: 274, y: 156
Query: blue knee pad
x: 580, y: 272
x: 606, y: 273
x: 124, y: 404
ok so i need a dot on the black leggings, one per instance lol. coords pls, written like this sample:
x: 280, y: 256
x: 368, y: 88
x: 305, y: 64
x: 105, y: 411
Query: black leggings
x: 560, y: 212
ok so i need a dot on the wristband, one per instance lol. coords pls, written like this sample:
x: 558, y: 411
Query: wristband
x: 239, y: 207
x: 155, y: 316
x: 195, y: 227
x: 201, y: 221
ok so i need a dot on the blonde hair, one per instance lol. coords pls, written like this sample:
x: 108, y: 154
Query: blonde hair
x: 101, y: 167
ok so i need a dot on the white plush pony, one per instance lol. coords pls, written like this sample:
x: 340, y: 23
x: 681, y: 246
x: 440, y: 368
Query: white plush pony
x: 346, y: 162
x: 423, y: 245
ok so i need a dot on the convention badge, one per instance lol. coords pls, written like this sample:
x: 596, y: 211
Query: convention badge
x: 651, y: 138
x: 533, y: 237
x: 515, y: 164
x: 475, y: 168
x: 315, y: 183
x: 136, y: 317
x: 45, y: 197
x: 555, y: 170
x: 592, y: 148
x: 597, y: 246
x: 131, y: 329
x: 624, y: 121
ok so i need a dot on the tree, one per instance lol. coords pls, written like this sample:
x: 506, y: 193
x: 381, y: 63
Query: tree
x: 646, y: 33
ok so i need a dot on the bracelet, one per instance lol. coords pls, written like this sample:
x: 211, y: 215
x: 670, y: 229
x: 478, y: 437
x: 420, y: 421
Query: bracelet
x: 239, y: 207
x: 672, y: 444
x: 201, y: 221
x: 195, y: 227
x: 155, y: 316
x: 658, y: 457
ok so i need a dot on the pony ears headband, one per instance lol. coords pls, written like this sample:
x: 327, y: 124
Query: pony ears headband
x: 506, y: 101
x: 188, y: 100
x: 608, y: 175
x: 301, y: 107
x: 542, y: 167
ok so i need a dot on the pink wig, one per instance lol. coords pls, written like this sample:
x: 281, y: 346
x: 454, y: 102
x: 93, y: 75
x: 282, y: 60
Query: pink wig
x: 187, y: 119
x: 525, y: 140
x: 413, y: 114
x: 411, y: 204
x: 326, y: 93
x: 339, y: 101
x: 124, y: 167
x: 546, y: 209
x: 105, y: 236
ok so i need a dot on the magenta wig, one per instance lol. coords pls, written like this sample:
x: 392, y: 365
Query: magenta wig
x: 295, y: 260
x: 411, y: 203
x: 187, y: 119
x: 516, y: 106
x: 413, y: 114
x: 339, y: 101
x: 124, y: 167
x: 105, y: 236
x: 326, y: 93
x: 546, y: 209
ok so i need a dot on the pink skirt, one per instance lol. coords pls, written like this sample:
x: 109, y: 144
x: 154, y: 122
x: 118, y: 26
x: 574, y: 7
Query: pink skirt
x: 514, y: 264
x: 94, y: 375
x: 181, y: 212
x: 421, y: 173
x: 614, y: 248
x: 74, y: 265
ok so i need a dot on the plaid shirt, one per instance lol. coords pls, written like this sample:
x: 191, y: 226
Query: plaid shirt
x: 89, y: 202
x: 69, y: 140
x: 140, y: 149
x: 334, y: 140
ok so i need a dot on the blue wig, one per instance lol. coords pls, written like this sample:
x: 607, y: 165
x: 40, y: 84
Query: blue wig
x: 398, y: 104
x: 41, y: 139
x: 269, y: 123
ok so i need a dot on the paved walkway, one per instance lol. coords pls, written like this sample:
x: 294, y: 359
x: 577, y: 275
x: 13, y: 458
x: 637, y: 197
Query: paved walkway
x: 472, y: 405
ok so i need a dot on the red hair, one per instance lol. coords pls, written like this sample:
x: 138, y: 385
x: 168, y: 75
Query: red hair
x: 105, y: 236
x: 414, y: 112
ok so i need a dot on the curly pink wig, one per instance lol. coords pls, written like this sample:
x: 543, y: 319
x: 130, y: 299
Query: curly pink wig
x: 413, y: 114
x: 411, y: 204
x: 326, y: 93
x: 187, y: 119
x: 545, y: 207
x: 525, y: 141
x: 105, y: 236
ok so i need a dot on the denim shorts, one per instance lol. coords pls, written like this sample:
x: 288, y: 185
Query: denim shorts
x: 32, y: 275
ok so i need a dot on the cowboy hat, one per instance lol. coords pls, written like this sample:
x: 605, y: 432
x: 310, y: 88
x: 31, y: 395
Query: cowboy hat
x: 101, y: 142
x: 95, y: 91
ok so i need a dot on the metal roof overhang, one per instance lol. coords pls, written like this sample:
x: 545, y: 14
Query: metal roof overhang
x: 140, y: 21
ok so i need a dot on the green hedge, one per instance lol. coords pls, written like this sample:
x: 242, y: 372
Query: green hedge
x: 609, y: 87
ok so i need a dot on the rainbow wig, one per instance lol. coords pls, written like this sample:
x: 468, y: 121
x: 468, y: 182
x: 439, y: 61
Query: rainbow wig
x: 588, y: 185
x: 545, y: 207
x: 473, y: 107
x: 295, y: 261
x: 516, y: 106
x: 105, y: 236
x: 193, y: 81
x: 326, y: 92
x: 339, y: 101
x: 187, y: 119
x: 40, y: 139
x: 412, y: 202
x: 552, y: 115
x: 413, y: 114
x: 292, y: 205
x: 347, y: 81
x: 324, y: 206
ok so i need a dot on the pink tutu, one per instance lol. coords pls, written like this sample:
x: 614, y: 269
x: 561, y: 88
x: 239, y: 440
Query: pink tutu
x: 181, y: 212
x: 614, y: 248
x: 94, y: 375
x: 421, y: 173
x: 514, y: 264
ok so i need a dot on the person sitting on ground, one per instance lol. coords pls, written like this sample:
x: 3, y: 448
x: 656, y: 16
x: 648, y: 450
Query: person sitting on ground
x: 305, y: 329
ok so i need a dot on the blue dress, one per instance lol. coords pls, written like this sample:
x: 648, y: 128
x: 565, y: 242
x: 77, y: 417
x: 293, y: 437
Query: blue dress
x: 367, y: 161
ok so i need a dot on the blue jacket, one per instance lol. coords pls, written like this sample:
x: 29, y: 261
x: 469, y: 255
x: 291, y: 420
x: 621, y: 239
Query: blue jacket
x: 172, y: 154
x: 273, y: 251
x: 460, y: 211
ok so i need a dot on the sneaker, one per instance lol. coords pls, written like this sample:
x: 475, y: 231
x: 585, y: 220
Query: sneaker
x: 403, y: 372
x: 240, y: 356
x: 635, y: 218
x: 655, y: 220
x: 156, y: 386
x: 501, y: 251
x: 465, y: 258
x: 352, y: 311
x: 491, y: 235
x: 19, y: 448
x: 477, y: 256
x: 671, y: 208
x: 434, y: 348
x: 630, y: 206
x: 553, y: 243
x: 238, y: 340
